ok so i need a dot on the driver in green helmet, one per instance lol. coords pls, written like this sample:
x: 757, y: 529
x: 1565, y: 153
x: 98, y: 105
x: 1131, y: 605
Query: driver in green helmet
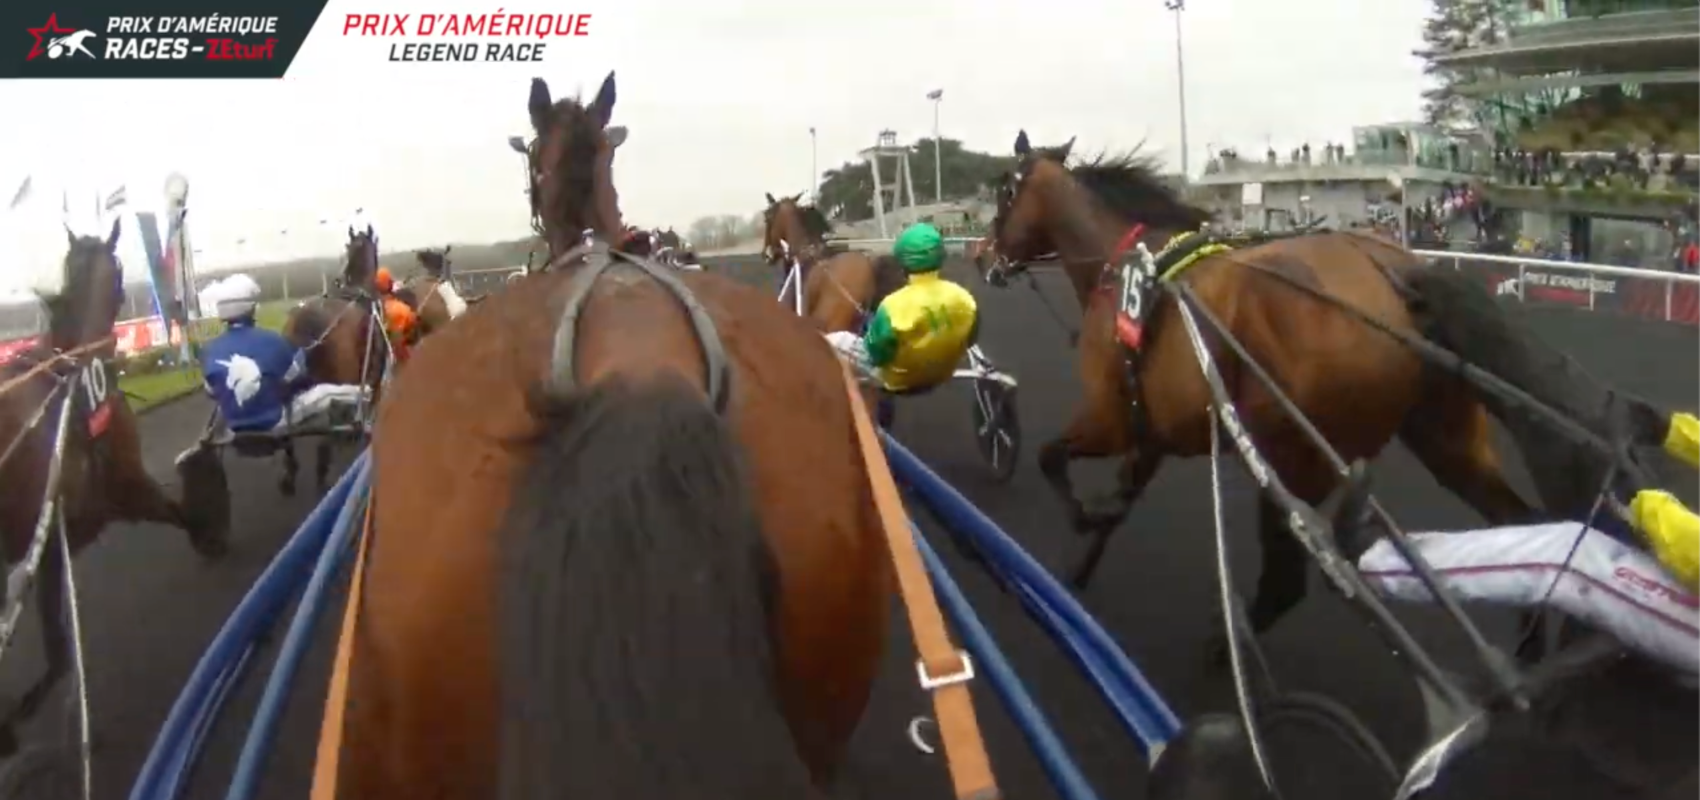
x: 919, y: 333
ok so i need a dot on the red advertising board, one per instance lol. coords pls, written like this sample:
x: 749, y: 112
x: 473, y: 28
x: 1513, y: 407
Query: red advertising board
x: 132, y: 336
x: 1655, y: 298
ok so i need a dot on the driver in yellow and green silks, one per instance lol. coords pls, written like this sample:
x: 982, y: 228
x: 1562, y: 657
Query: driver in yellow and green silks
x: 919, y: 333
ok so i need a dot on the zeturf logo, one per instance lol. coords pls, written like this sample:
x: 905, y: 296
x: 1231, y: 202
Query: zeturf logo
x: 175, y: 39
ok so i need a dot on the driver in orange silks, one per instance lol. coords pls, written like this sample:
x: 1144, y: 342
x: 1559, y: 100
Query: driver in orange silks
x: 400, y: 323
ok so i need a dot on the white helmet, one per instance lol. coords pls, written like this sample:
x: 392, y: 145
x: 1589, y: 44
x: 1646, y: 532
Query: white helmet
x: 238, y: 296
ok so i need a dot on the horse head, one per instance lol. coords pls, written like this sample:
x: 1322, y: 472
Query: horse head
x: 361, y: 258
x: 572, y: 162
x: 86, y: 306
x: 799, y: 225
x: 434, y: 262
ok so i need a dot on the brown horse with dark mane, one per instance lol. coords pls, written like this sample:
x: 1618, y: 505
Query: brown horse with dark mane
x: 649, y: 564
x: 1145, y: 397
x: 67, y: 387
x: 432, y: 295
x: 343, y: 338
x: 839, y: 290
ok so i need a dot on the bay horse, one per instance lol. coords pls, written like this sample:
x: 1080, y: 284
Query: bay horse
x: 839, y: 290
x: 650, y: 564
x: 433, y: 296
x: 1358, y: 386
x: 102, y: 477
x: 344, y: 341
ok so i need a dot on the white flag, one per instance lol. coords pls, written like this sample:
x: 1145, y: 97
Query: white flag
x: 21, y: 195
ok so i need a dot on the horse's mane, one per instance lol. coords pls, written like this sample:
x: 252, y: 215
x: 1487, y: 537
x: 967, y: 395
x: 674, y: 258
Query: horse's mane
x: 814, y: 220
x: 577, y: 166
x: 1130, y: 186
x: 434, y: 261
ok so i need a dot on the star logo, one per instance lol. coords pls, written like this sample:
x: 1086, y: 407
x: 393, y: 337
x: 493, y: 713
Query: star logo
x: 51, y: 31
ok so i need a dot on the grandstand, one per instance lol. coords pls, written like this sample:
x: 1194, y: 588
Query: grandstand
x: 1598, y: 123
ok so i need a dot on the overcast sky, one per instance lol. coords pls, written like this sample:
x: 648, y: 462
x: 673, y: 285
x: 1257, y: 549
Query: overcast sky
x: 719, y: 98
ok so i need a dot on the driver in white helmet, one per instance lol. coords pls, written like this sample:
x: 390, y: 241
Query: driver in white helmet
x: 258, y: 378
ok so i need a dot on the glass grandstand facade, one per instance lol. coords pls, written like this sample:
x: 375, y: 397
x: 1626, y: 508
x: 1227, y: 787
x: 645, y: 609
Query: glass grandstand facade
x: 1593, y: 107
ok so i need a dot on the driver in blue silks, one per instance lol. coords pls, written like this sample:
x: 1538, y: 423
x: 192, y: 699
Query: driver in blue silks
x: 258, y: 378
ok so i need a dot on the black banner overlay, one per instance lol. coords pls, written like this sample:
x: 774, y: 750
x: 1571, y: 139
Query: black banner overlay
x: 152, y: 39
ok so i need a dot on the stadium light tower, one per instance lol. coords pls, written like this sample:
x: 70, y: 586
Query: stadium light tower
x: 937, y: 96
x: 1179, y: 6
x: 814, y: 167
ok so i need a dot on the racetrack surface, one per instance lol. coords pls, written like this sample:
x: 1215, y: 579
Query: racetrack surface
x: 150, y: 607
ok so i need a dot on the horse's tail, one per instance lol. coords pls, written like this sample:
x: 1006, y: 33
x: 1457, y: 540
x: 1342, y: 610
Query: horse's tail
x: 636, y: 599
x: 1455, y: 311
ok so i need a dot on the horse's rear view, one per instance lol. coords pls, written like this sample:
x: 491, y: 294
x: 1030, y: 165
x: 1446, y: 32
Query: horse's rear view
x: 622, y: 542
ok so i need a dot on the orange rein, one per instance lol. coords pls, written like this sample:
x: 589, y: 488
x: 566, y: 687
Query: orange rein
x: 945, y: 671
x: 336, y: 697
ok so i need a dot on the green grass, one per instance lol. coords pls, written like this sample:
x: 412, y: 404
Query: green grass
x: 147, y: 391
x: 157, y: 388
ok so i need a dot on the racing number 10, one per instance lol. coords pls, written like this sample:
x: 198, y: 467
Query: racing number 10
x: 94, y: 385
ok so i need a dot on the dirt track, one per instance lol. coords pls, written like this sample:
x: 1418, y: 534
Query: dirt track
x: 151, y: 607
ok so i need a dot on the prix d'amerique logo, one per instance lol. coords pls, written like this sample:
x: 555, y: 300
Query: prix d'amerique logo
x: 209, y: 37
x: 519, y: 37
x: 53, y: 41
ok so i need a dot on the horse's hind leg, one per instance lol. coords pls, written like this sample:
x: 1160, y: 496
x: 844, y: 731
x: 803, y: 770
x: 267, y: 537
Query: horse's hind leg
x: 322, y: 465
x: 1283, y: 569
x: 1450, y: 434
x: 291, y: 468
x: 136, y: 497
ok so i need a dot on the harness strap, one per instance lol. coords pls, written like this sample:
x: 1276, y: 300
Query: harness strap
x: 326, y: 762
x: 945, y: 671
x: 53, y: 360
x: 601, y: 258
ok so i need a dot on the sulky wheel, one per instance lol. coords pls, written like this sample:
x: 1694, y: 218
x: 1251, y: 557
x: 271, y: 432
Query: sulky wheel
x: 997, y: 428
x: 1318, y: 748
x: 40, y: 773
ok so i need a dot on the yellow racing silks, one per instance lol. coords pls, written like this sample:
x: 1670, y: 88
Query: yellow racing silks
x: 1672, y: 531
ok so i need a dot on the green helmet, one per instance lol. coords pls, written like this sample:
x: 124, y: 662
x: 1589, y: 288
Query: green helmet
x: 920, y: 248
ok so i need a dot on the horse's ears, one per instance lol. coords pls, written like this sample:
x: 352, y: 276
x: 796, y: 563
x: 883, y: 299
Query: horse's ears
x: 371, y: 234
x: 1062, y: 152
x: 1022, y: 146
x: 447, y: 248
x: 602, y: 108
x: 351, y: 231
x: 112, y: 238
x: 70, y: 236
x: 770, y: 201
x: 796, y: 198
x: 616, y: 135
x: 539, y: 104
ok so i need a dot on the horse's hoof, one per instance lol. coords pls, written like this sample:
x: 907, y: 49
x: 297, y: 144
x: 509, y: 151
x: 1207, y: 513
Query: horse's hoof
x: 286, y: 486
x: 210, y: 545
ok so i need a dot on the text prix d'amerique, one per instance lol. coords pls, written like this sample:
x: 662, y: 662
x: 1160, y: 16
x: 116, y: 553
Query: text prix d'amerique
x: 513, y: 29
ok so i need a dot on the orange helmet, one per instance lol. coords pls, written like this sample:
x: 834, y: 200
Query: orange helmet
x: 384, y: 281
